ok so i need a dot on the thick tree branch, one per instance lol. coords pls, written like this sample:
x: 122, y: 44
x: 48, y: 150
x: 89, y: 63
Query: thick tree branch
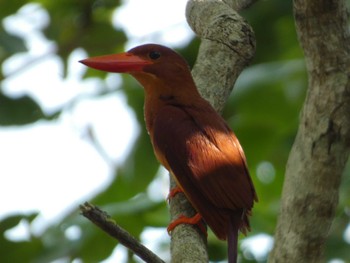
x: 188, y: 243
x: 228, y: 45
x: 322, y: 145
x: 104, y: 221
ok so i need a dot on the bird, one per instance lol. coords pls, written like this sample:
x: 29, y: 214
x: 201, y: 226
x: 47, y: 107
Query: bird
x: 190, y: 139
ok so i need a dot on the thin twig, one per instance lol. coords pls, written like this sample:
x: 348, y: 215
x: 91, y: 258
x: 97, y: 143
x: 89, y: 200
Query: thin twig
x: 107, y: 224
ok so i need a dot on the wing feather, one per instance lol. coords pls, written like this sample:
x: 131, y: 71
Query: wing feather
x: 199, y: 149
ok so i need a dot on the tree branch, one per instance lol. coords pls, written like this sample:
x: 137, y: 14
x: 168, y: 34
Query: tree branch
x: 188, y: 243
x: 322, y: 145
x: 228, y: 45
x: 104, y: 221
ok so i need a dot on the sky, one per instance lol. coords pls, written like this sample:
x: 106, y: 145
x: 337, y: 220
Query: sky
x: 51, y: 139
x: 55, y: 157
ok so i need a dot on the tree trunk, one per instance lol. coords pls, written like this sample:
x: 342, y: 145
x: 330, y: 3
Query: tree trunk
x: 321, y: 148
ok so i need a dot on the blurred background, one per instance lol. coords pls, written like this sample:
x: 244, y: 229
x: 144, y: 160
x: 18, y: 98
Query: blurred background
x: 70, y: 135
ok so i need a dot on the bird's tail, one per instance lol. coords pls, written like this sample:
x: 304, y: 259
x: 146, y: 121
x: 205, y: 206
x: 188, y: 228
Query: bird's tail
x: 237, y: 223
x: 232, y: 239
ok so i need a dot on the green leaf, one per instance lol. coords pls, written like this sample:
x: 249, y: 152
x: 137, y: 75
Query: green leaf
x: 10, y: 44
x: 19, y: 251
x: 10, y: 7
x: 13, y: 220
x: 83, y: 24
x: 147, y: 212
x: 20, y: 111
x: 85, y: 247
x: 140, y: 166
x: 134, y: 175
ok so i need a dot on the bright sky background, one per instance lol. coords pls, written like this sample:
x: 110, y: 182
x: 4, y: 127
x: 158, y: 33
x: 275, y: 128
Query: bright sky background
x: 49, y: 154
x: 44, y: 164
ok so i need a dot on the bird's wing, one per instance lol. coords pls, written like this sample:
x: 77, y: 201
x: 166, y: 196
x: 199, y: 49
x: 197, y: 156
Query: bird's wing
x: 205, y: 157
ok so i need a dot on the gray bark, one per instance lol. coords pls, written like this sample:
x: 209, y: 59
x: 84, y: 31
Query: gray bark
x: 322, y: 145
x: 228, y: 45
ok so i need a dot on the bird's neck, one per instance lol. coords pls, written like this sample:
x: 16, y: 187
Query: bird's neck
x: 153, y: 105
x: 160, y: 93
x: 156, y: 101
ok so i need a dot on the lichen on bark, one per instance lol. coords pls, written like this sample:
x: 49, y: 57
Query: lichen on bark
x: 322, y: 145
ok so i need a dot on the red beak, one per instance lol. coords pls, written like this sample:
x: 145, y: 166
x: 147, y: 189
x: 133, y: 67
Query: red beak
x: 118, y: 63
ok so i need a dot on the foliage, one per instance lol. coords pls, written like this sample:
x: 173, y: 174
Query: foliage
x: 263, y: 111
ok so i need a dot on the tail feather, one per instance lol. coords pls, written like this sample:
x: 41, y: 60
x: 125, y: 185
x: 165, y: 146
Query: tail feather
x: 232, y: 240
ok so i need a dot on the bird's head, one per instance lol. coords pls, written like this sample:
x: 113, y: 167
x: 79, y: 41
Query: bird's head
x: 154, y: 66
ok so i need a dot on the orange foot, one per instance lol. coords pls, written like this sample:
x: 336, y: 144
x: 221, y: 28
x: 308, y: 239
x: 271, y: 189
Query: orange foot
x: 195, y: 220
x: 174, y: 192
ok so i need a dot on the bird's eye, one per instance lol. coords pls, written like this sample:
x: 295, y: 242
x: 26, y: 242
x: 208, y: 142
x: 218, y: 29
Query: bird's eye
x: 154, y: 55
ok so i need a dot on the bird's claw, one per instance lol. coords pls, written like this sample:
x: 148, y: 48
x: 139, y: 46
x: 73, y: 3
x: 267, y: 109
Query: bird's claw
x: 195, y: 220
x: 174, y: 191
